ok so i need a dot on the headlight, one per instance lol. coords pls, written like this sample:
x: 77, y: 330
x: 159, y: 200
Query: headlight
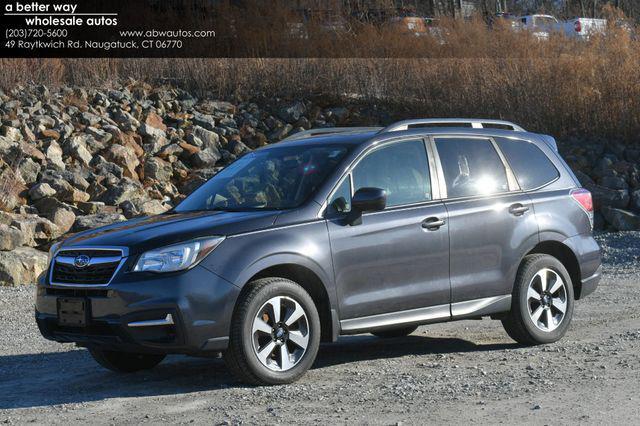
x: 177, y: 257
x: 52, y: 251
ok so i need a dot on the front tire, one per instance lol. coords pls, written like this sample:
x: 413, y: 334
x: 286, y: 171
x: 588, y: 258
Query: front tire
x: 275, y: 333
x: 125, y: 362
x: 542, y: 303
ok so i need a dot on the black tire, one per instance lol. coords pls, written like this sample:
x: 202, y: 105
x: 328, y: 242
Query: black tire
x: 395, y: 332
x: 241, y: 357
x: 519, y: 323
x: 125, y: 362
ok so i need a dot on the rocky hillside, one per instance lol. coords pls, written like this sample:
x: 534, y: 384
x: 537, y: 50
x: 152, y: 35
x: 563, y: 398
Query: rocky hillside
x: 75, y: 159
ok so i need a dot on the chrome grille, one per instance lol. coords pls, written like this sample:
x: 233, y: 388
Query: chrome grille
x: 101, y: 266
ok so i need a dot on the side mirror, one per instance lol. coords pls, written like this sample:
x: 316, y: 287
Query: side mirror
x: 366, y: 200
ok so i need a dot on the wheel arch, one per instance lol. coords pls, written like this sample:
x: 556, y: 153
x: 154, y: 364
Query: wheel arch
x: 313, y: 284
x: 566, y: 256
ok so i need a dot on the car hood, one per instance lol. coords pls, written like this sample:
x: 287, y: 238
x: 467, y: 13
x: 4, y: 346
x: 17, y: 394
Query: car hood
x: 156, y: 231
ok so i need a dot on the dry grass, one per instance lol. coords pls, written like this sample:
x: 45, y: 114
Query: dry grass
x: 561, y: 86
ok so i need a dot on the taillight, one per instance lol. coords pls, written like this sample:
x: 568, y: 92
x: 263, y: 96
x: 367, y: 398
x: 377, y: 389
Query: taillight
x: 583, y: 197
x: 578, y: 26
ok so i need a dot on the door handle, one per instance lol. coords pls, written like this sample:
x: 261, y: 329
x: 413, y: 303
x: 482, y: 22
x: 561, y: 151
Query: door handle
x: 432, y: 223
x: 518, y: 209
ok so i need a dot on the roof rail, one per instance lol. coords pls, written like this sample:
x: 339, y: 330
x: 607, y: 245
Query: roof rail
x: 328, y: 131
x: 448, y: 122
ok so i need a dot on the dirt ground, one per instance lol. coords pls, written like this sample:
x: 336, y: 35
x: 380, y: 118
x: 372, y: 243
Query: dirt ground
x: 447, y: 373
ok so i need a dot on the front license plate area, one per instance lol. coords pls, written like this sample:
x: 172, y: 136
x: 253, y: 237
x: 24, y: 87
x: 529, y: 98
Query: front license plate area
x: 72, y: 312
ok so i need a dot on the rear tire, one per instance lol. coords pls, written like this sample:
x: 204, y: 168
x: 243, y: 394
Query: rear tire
x: 125, y: 362
x: 395, y: 332
x: 275, y: 333
x: 542, y: 302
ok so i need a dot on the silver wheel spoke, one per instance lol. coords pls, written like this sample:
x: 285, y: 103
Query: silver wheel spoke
x: 543, y: 279
x: 535, y: 316
x: 261, y: 326
x: 266, y: 351
x: 550, y: 324
x: 556, y: 285
x: 560, y: 305
x: 533, y: 294
x: 294, y: 316
x: 285, y: 358
x: 296, y: 337
x: 276, y: 304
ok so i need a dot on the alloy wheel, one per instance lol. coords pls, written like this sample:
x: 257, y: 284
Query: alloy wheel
x: 280, y: 333
x: 547, y: 299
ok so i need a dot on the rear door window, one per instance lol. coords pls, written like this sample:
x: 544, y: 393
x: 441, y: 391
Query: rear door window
x: 471, y: 167
x: 531, y: 166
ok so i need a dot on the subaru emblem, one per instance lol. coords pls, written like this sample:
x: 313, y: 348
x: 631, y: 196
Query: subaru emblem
x: 81, y: 261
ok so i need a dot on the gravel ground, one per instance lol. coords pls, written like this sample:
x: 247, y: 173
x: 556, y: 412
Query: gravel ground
x: 456, y: 372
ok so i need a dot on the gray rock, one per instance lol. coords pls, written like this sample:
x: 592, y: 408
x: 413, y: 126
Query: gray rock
x: 76, y: 148
x: 635, y: 201
x: 59, y: 213
x: 10, y: 237
x: 205, y: 158
x: 209, y: 139
x: 292, y: 112
x: 139, y: 207
x: 204, y: 120
x: 281, y: 133
x: 22, y: 265
x: 236, y: 147
x: 621, y: 220
x: 89, y: 119
x: 93, y: 221
x: 126, y: 189
x: 614, y: 182
x: 41, y: 190
x: 35, y: 230
x: 11, y: 133
x: 157, y: 169
x: 123, y: 156
x: 54, y: 155
x: 29, y: 170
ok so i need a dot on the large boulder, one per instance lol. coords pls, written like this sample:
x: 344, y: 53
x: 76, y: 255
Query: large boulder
x: 209, y: 139
x: 621, y: 220
x: 292, y: 112
x: 126, y: 189
x: 125, y: 157
x: 57, y: 212
x: 93, y: 221
x: 22, y: 265
x: 10, y: 237
x: 54, y: 155
x: 41, y: 190
x: 35, y: 230
x: 157, y: 169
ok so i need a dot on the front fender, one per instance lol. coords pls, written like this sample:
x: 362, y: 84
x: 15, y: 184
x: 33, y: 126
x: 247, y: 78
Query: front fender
x: 242, y: 256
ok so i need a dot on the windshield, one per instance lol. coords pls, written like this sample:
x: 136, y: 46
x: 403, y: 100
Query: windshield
x: 270, y: 179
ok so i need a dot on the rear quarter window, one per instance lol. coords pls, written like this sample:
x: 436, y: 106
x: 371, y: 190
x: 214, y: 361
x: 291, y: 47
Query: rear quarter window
x: 531, y: 166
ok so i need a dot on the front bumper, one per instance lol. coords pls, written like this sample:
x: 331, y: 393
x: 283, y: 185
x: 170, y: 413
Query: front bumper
x: 187, y: 312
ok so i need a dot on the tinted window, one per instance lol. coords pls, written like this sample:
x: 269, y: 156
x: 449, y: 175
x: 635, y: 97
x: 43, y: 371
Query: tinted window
x: 340, y: 201
x: 401, y: 169
x: 471, y: 167
x: 275, y: 178
x: 531, y: 166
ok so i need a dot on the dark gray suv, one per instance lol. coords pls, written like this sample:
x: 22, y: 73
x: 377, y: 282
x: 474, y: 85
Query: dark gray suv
x: 334, y: 231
